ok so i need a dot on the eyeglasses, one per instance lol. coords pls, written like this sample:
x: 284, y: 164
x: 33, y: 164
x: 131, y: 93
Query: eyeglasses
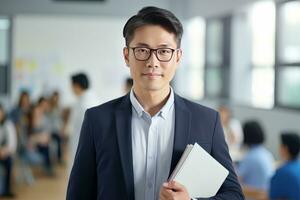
x: 144, y: 53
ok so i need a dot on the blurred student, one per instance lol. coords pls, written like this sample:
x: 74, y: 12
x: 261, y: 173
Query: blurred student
x: 232, y: 129
x: 56, y: 121
x: 40, y: 133
x: 85, y: 99
x: 8, y: 144
x: 256, y: 168
x: 285, y: 184
x: 19, y: 114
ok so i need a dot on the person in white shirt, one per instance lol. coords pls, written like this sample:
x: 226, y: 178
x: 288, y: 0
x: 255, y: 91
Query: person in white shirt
x: 85, y: 99
x: 8, y: 145
x: 128, y: 146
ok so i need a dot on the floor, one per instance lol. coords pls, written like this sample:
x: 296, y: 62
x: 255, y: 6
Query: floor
x: 44, y: 188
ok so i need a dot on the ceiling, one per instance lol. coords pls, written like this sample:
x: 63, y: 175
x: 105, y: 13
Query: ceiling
x: 119, y: 8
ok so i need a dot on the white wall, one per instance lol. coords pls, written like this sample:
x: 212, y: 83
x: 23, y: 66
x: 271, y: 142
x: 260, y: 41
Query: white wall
x: 48, y: 49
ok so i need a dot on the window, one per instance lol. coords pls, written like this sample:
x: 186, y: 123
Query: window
x: 217, y: 57
x: 253, y: 59
x: 288, y: 61
x: 4, y: 55
x: 190, y: 74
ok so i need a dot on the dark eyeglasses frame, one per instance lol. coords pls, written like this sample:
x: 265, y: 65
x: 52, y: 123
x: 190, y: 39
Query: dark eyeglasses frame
x: 155, y: 52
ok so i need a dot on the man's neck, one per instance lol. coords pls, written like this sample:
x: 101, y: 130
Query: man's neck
x: 152, y: 101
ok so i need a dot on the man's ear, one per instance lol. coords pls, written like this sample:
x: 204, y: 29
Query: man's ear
x: 178, y: 55
x: 126, y: 55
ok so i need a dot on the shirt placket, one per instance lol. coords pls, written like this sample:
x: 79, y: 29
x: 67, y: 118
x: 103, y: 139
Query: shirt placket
x: 151, y: 160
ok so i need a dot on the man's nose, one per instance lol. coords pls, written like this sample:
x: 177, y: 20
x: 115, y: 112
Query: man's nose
x: 153, y: 60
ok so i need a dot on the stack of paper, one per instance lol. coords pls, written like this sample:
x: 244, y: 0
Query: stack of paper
x: 199, y: 172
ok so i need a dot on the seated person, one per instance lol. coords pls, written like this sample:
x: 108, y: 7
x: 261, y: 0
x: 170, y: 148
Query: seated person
x: 39, y: 134
x: 256, y: 169
x: 8, y: 143
x: 285, y: 184
x: 232, y: 128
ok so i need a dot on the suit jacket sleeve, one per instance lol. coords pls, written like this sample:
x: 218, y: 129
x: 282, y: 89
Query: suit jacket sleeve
x: 83, y: 178
x: 230, y: 190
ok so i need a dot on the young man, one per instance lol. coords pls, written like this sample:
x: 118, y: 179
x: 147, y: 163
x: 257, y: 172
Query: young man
x: 129, y: 146
x: 85, y: 99
x: 285, y: 184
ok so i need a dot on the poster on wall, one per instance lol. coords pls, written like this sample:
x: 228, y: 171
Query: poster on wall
x: 37, y: 74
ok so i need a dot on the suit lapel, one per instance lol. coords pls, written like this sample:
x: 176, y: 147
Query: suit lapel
x: 182, y: 130
x: 123, y: 123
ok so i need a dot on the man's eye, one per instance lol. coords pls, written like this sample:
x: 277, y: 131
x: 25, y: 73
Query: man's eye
x: 142, y: 50
x: 164, y: 51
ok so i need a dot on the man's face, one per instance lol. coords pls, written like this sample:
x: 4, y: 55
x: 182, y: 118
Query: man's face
x: 152, y: 74
x: 76, y: 89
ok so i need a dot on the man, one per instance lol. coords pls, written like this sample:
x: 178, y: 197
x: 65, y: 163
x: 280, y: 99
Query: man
x: 285, y: 184
x: 85, y: 99
x: 129, y: 146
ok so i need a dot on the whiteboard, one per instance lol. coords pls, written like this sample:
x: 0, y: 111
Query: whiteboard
x: 47, y: 50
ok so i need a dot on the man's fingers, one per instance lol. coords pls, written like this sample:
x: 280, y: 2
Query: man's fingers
x: 173, y: 185
x: 165, y: 193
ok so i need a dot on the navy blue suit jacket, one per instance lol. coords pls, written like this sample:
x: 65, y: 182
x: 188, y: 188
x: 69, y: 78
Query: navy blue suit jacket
x: 103, y: 164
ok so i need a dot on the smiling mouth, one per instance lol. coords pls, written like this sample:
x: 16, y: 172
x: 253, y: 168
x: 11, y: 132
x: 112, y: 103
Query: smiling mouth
x: 152, y: 75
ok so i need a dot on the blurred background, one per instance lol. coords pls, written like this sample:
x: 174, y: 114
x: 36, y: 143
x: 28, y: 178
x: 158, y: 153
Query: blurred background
x: 241, y: 57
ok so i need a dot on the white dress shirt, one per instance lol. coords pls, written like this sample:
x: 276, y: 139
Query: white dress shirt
x: 152, y: 146
x: 87, y: 100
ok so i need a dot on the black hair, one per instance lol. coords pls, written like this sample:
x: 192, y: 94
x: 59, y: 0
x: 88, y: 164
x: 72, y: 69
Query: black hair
x: 23, y: 94
x: 253, y: 133
x: 153, y: 16
x: 41, y: 100
x: 80, y: 79
x: 292, y: 141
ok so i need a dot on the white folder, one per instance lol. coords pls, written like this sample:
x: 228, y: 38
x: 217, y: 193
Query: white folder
x: 199, y: 172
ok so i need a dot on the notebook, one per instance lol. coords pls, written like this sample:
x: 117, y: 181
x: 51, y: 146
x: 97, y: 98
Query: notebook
x: 199, y: 172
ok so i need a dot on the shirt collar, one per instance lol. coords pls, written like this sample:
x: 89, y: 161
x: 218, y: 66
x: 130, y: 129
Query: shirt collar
x: 164, y: 110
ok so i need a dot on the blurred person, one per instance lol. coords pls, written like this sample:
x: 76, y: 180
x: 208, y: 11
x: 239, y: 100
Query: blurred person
x: 129, y: 146
x: 128, y: 85
x: 56, y: 121
x: 8, y: 145
x: 21, y: 117
x: 40, y: 133
x: 19, y: 114
x: 285, y: 184
x: 85, y: 99
x: 256, y: 168
x: 232, y: 128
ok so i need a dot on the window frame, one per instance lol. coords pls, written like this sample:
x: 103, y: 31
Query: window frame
x: 278, y: 64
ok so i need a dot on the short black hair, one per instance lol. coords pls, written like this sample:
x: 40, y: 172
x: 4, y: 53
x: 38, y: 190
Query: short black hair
x: 81, y: 79
x: 292, y: 141
x: 253, y: 133
x: 153, y: 16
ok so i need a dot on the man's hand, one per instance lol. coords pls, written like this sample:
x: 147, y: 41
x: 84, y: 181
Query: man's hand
x: 173, y: 191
